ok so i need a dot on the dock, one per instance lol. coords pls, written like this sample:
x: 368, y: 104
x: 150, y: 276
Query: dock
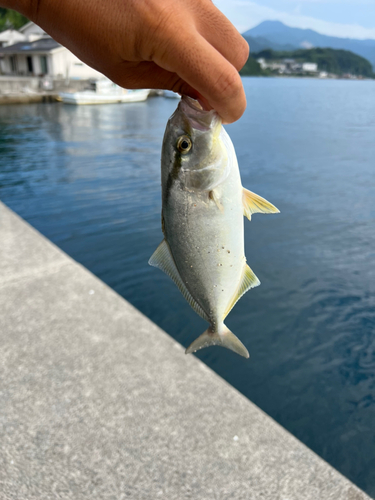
x: 97, y: 402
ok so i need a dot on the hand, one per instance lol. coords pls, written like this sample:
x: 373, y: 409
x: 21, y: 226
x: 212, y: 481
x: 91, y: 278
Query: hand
x: 187, y: 46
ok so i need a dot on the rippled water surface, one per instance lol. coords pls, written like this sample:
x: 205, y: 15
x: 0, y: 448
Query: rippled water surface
x: 89, y: 179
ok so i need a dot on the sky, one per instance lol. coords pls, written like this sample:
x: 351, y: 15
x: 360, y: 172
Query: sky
x: 343, y: 18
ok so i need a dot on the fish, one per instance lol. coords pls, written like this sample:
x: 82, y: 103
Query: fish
x: 203, y: 208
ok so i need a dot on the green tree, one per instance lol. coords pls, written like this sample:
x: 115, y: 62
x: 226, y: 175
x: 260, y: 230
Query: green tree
x: 334, y: 61
x: 251, y: 68
x: 11, y: 19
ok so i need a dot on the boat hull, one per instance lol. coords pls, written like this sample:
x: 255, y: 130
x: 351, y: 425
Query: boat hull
x: 90, y: 97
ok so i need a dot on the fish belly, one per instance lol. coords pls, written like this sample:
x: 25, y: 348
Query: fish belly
x: 207, y: 244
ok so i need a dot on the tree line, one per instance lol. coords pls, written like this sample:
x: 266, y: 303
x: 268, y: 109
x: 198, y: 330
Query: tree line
x: 335, y: 61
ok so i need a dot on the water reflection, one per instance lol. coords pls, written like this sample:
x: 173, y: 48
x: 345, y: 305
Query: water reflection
x: 89, y: 178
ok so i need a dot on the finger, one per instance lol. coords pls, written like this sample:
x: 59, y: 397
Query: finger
x: 149, y: 75
x: 200, y: 65
x: 222, y: 35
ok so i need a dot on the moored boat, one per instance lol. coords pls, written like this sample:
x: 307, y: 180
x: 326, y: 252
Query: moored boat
x: 103, y: 92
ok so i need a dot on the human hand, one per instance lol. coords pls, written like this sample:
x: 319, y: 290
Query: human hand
x: 187, y: 46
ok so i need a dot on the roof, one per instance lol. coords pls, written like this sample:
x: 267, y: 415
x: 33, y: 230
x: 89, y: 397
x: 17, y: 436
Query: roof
x: 25, y: 26
x: 41, y: 46
x: 31, y: 28
x: 7, y: 35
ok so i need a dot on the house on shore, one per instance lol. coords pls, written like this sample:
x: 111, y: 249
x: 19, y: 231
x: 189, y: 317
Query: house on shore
x: 32, y: 32
x: 10, y: 37
x: 288, y: 66
x: 39, y: 55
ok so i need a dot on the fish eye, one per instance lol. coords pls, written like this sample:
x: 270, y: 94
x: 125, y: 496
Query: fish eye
x: 184, y: 144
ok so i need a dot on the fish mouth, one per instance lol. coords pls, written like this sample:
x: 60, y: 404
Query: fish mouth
x: 198, y: 117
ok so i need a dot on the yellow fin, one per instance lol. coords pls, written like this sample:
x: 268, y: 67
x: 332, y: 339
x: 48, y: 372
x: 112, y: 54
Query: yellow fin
x: 162, y: 258
x: 253, y: 204
x: 249, y: 280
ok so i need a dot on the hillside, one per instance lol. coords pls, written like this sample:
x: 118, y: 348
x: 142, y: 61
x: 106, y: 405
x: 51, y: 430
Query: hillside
x: 338, y: 62
x: 252, y: 68
x: 11, y: 19
x: 259, y: 43
x: 277, y: 33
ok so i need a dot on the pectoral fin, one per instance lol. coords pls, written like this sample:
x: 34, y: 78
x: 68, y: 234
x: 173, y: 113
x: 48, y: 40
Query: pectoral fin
x: 249, y: 280
x: 162, y: 258
x: 213, y: 196
x: 252, y: 204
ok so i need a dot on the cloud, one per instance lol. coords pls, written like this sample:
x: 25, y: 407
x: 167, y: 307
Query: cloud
x: 247, y: 14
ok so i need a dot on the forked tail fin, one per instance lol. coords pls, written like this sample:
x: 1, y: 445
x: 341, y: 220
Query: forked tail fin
x: 226, y: 339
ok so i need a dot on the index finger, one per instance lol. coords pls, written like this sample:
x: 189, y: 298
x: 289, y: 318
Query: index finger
x: 199, y: 64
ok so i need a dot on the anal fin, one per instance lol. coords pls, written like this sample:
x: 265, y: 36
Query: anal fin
x: 253, y: 204
x: 162, y: 258
x: 249, y: 280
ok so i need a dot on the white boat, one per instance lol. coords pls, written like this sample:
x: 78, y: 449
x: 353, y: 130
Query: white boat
x: 103, y: 92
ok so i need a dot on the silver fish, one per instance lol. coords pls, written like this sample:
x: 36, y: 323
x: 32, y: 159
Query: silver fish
x: 203, y: 204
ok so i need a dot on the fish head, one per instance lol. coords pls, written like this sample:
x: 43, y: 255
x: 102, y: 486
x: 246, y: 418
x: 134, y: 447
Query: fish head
x: 193, y: 150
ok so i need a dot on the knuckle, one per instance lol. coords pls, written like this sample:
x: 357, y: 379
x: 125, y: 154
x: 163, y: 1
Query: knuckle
x: 154, y: 29
x: 229, y: 84
x: 162, y: 30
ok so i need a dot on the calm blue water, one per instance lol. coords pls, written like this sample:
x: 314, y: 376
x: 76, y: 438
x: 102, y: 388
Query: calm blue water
x: 89, y: 179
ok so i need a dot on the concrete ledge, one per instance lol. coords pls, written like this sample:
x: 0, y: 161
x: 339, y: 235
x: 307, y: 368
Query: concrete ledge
x: 98, y: 402
x: 27, y: 98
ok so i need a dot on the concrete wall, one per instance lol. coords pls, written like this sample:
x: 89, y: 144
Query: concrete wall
x: 97, y: 402
x: 65, y: 64
x: 16, y: 84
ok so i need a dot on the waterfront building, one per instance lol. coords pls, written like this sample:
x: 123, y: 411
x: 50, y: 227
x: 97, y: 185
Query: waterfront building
x: 309, y: 67
x: 10, y: 37
x: 32, y: 31
x: 43, y: 57
x: 288, y: 66
x: 31, y: 52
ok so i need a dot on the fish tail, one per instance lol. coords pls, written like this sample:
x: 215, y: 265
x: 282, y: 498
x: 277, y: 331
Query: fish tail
x: 225, y: 339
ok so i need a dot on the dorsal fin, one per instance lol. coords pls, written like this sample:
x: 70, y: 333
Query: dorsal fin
x: 162, y: 258
x: 249, y: 280
x: 253, y: 204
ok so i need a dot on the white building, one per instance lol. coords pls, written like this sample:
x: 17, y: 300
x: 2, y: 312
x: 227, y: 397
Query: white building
x: 310, y: 67
x: 10, y: 37
x: 40, y: 55
x: 32, y: 31
x: 262, y: 62
x: 288, y: 66
x: 272, y: 65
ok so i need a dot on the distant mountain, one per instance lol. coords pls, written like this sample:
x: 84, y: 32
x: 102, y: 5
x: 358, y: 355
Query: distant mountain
x: 259, y: 43
x: 278, y: 34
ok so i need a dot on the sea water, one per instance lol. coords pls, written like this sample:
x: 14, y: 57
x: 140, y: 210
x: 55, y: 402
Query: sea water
x: 89, y: 179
